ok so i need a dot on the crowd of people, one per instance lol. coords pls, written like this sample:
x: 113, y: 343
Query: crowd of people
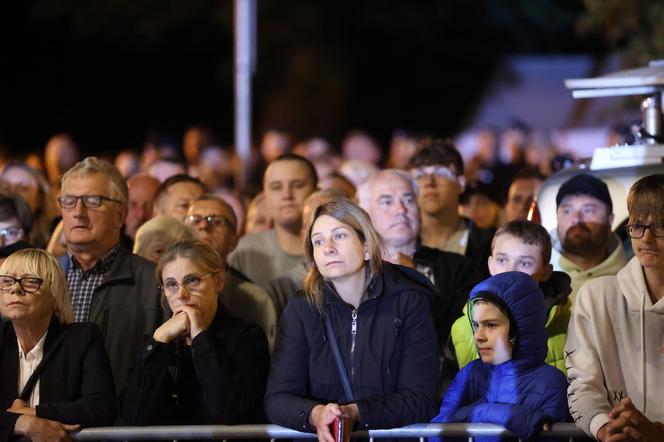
x: 145, y: 289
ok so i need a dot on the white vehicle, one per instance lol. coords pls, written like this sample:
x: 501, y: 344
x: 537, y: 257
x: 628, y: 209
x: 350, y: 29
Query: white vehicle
x: 618, y: 166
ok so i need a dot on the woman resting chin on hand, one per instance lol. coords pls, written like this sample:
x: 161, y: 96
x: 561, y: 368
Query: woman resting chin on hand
x: 201, y: 366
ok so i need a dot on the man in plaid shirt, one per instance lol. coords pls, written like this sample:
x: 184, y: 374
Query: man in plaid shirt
x: 108, y: 284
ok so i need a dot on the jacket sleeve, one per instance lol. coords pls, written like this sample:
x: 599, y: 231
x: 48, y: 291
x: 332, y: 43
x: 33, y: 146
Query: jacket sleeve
x: 457, y: 396
x: 97, y: 405
x: 286, y: 401
x: 521, y: 420
x: 586, y: 393
x: 415, y: 397
x: 147, y: 398
x: 7, y: 423
x: 232, y: 386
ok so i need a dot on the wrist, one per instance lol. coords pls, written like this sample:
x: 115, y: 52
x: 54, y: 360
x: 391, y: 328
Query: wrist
x: 313, y: 415
x: 22, y: 424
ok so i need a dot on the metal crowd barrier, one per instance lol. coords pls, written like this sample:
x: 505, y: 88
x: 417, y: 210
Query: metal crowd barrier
x: 559, y: 432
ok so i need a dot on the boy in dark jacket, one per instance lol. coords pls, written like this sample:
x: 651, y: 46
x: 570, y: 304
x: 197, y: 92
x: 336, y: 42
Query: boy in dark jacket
x: 510, y: 385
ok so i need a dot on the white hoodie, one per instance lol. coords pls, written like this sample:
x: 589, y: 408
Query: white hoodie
x: 615, y: 349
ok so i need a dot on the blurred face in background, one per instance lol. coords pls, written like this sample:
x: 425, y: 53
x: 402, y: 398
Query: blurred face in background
x: 392, y: 206
x: 287, y: 183
x: 24, y: 184
x: 142, y: 189
x: 521, y: 194
x: 440, y: 187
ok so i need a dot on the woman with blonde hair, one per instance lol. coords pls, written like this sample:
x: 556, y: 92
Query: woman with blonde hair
x: 158, y: 234
x: 56, y: 376
x: 201, y: 366
x: 360, y: 344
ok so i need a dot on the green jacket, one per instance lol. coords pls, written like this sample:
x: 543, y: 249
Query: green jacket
x: 556, y: 289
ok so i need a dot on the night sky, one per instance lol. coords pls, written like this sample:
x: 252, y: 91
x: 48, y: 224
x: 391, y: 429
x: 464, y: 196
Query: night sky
x: 109, y: 71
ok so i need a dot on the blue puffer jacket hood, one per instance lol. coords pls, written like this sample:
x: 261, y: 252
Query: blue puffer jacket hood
x: 524, y: 301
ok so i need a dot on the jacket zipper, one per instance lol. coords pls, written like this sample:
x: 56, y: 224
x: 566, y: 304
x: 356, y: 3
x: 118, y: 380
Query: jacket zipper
x: 353, y: 334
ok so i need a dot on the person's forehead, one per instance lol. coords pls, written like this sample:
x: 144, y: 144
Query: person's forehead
x: 143, y: 189
x: 9, y: 222
x: 581, y: 200
x: 185, y: 189
x: 392, y: 185
x: 430, y: 166
x: 524, y: 185
x: 483, y: 310
x: 210, y: 207
x: 513, y: 245
x: 95, y: 183
x: 287, y: 170
x: 19, y: 175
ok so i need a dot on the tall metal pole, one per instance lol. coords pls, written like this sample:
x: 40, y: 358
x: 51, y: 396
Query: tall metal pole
x: 245, y: 50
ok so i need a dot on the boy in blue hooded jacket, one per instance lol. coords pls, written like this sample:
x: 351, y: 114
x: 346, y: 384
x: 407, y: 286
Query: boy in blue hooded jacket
x: 510, y: 385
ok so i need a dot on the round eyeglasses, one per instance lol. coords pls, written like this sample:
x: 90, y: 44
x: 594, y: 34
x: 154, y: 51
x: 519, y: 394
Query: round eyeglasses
x: 191, y: 283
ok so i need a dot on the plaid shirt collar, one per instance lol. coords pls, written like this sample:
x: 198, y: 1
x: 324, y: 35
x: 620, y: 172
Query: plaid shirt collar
x: 102, y: 265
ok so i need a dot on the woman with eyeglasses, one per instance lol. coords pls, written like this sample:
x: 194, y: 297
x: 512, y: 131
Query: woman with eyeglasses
x: 361, y: 343
x: 56, y: 376
x: 201, y: 366
x: 615, y: 340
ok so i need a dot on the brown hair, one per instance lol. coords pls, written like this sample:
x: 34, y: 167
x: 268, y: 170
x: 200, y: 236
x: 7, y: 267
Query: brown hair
x: 345, y: 211
x: 646, y: 198
x: 528, y: 232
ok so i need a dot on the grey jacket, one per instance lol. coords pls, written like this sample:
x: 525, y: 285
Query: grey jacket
x: 126, y: 306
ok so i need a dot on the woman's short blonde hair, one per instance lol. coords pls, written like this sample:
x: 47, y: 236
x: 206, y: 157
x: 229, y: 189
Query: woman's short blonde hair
x: 646, y: 198
x: 163, y: 227
x: 42, y: 264
x: 345, y: 211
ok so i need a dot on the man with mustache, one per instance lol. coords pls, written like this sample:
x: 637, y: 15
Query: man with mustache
x: 584, y: 245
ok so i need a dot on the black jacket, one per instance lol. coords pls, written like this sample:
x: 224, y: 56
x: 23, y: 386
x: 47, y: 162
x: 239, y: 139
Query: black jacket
x: 76, y: 385
x: 126, y: 306
x: 220, y: 379
x: 393, y: 369
x: 453, y: 277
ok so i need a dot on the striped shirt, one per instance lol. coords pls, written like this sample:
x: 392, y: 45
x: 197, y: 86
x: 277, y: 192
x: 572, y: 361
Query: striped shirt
x: 83, y: 283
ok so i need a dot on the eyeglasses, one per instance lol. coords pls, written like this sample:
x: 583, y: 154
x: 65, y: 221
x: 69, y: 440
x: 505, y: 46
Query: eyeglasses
x: 192, y: 283
x: 436, y: 171
x: 638, y: 230
x: 89, y: 201
x: 213, y: 220
x: 12, y: 233
x: 29, y: 284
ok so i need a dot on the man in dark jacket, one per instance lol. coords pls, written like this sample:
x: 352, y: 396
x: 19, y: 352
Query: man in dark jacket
x: 390, y: 198
x: 108, y: 284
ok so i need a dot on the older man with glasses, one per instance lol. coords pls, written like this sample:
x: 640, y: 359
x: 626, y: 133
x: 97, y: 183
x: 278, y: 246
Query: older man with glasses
x: 108, y: 284
x: 214, y: 222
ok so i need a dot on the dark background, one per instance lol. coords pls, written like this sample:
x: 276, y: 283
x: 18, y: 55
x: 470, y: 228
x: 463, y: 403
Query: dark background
x: 108, y: 71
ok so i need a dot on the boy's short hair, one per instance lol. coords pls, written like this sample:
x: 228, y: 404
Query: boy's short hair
x: 646, y: 198
x: 442, y: 152
x: 528, y: 232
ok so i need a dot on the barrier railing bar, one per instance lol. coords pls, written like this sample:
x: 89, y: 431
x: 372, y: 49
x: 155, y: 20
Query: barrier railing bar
x: 274, y: 432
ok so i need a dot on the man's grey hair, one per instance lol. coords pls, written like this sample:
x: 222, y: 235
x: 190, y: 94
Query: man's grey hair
x: 94, y: 165
x: 364, y: 189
